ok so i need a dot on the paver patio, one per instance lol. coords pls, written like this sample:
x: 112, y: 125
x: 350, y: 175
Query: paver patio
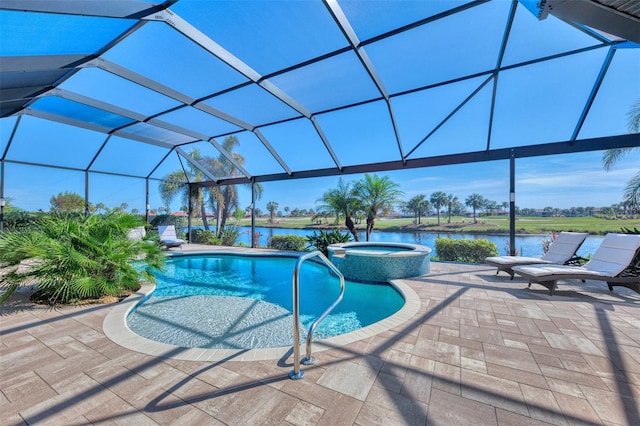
x: 481, y: 350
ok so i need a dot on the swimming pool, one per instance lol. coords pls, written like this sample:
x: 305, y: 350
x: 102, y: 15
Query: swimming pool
x: 245, y: 302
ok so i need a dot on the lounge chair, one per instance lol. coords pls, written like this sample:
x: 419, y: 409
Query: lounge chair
x: 137, y: 234
x: 616, y: 261
x: 168, y: 236
x: 561, y: 251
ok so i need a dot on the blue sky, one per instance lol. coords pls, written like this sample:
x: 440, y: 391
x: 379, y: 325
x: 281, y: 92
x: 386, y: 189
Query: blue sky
x: 558, y: 181
x: 536, y: 104
x: 576, y: 180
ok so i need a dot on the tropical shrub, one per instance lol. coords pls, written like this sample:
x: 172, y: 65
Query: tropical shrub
x: 469, y: 251
x: 288, y: 242
x: 202, y: 236
x: 19, y: 219
x: 229, y: 235
x: 70, y: 258
x: 320, y: 240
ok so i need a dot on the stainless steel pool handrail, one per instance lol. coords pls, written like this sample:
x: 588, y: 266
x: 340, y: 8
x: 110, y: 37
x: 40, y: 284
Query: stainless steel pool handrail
x: 296, y: 373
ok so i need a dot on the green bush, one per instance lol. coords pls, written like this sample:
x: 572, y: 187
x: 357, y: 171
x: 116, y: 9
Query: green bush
x: 320, y: 240
x: 229, y: 235
x: 72, y: 258
x: 288, y: 242
x: 469, y: 251
x: 19, y: 219
x: 203, y: 236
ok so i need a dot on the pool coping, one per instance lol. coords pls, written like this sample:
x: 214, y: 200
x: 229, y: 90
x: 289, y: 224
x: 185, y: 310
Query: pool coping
x: 116, y: 329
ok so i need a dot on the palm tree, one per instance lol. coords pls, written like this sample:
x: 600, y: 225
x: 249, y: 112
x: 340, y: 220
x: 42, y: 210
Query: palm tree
x: 377, y: 195
x: 174, y: 185
x: 418, y: 205
x: 475, y: 201
x: 611, y: 156
x: 75, y: 257
x: 452, y: 201
x: 341, y: 201
x: 272, y: 206
x: 225, y: 200
x: 438, y: 199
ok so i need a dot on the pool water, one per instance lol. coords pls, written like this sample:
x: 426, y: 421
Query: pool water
x: 243, y: 301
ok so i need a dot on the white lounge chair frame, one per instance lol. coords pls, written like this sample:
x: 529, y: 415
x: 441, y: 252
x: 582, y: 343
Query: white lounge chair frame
x: 168, y: 236
x: 562, y: 251
x: 616, y: 261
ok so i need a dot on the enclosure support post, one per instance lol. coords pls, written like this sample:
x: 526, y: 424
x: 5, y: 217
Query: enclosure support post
x: 253, y: 214
x: 2, y: 200
x: 512, y: 202
x: 189, y: 207
x: 86, y: 192
x: 147, y: 206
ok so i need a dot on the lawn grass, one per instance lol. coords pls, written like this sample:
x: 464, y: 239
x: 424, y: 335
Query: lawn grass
x: 485, y: 224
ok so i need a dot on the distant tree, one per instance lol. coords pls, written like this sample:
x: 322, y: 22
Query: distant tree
x: 490, y: 206
x: 376, y: 196
x: 272, y: 206
x: 135, y: 211
x: 238, y: 214
x: 68, y: 202
x: 438, y: 199
x: 528, y: 212
x: 627, y: 207
x: 417, y: 205
x: 451, y: 202
x: 286, y: 211
x: 475, y: 201
x: 124, y: 206
x: 341, y: 201
x: 100, y: 207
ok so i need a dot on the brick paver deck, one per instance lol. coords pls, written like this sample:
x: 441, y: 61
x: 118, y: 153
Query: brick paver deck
x: 481, y: 350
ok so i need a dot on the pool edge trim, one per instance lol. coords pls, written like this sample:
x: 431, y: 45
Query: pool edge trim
x: 115, y: 328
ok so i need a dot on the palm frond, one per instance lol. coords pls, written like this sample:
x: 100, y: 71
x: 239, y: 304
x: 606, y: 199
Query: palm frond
x: 611, y: 156
x: 632, y: 192
x: 634, y: 118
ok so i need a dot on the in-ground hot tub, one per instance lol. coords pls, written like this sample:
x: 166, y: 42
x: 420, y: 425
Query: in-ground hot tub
x: 380, y: 262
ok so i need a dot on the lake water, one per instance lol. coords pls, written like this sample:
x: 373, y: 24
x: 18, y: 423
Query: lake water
x: 528, y: 245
